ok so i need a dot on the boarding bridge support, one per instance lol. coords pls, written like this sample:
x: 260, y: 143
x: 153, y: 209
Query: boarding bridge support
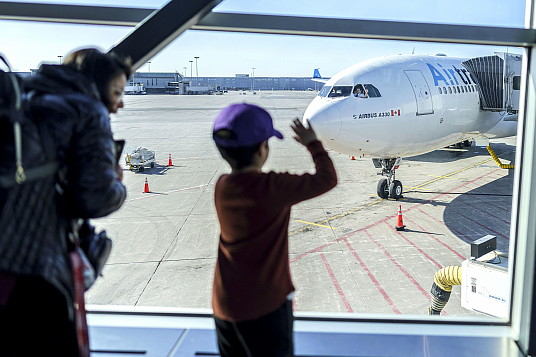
x: 499, y: 80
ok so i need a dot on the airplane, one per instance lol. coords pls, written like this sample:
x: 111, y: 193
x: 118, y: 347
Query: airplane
x: 398, y: 106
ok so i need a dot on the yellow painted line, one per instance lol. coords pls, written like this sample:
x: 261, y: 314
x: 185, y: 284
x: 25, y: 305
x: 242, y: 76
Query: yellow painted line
x: 452, y: 178
x: 380, y: 200
x: 332, y: 218
x: 420, y: 188
x: 452, y: 173
x: 314, y: 224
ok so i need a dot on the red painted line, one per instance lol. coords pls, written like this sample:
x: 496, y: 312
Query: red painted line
x: 339, y: 239
x: 439, y: 266
x: 371, y: 276
x: 483, y: 225
x: 413, y: 223
x: 395, y: 262
x: 336, y: 284
x: 317, y: 249
x: 485, y: 212
x: 348, y: 235
x: 501, y: 208
x: 458, y: 233
x: 492, y: 177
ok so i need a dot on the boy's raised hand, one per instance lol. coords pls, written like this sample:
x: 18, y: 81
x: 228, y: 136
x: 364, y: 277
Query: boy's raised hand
x: 304, y: 135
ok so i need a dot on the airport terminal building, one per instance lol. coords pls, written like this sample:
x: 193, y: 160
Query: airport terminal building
x: 175, y: 83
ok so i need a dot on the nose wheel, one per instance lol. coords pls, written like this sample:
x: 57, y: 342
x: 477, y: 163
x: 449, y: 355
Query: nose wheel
x: 388, y: 187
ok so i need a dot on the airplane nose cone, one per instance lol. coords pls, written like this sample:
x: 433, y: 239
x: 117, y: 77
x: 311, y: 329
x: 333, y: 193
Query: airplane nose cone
x: 325, y: 120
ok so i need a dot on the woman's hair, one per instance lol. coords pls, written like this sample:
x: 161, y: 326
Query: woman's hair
x: 99, y: 67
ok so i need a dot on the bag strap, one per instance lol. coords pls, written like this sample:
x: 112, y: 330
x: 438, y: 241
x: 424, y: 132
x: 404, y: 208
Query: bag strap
x: 80, y: 312
x: 10, y: 180
x: 20, y: 175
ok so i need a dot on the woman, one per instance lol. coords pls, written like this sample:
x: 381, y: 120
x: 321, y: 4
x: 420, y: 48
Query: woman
x: 70, y: 104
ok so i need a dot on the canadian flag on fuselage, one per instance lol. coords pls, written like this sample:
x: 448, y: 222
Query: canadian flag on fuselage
x: 395, y: 112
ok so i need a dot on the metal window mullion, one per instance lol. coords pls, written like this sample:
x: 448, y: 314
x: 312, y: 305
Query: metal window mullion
x: 275, y: 24
x: 523, y: 213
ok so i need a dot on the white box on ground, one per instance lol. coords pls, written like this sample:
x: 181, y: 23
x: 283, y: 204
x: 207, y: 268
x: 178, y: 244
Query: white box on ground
x: 486, y: 286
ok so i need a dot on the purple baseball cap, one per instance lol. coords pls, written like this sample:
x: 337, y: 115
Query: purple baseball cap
x: 243, y: 124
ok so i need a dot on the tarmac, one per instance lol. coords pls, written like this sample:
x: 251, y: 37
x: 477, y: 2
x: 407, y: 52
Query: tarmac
x: 346, y: 256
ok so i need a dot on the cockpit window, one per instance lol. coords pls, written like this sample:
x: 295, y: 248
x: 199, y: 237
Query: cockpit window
x: 372, y: 91
x: 358, y: 91
x: 340, y: 91
x: 324, y: 91
x: 366, y: 91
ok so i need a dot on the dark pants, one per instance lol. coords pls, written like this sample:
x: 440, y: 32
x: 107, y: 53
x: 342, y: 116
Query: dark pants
x: 269, y: 335
x: 35, y: 322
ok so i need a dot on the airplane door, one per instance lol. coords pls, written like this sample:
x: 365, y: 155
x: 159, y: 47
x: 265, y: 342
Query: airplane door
x: 423, y: 96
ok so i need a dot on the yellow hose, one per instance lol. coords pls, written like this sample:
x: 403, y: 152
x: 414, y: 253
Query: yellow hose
x: 497, y: 160
x: 444, y: 279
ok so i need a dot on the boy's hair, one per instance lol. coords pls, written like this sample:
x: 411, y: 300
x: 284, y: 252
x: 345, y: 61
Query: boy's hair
x: 100, y: 67
x: 239, y: 157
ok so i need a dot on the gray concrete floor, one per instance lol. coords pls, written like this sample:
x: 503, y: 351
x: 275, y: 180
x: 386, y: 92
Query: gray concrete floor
x: 345, y: 253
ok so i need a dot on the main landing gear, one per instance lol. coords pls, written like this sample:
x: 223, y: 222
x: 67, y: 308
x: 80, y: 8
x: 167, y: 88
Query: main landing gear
x: 388, y: 187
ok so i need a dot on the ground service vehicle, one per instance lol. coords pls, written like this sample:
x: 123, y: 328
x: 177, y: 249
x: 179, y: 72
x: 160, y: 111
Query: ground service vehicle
x: 140, y: 158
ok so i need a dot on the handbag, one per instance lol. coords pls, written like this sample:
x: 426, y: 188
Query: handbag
x: 94, y: 249
x: 88, y: 257
x: 96, y: 246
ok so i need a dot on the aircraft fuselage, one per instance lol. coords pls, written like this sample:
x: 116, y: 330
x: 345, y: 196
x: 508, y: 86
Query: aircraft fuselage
x: 415, y: 104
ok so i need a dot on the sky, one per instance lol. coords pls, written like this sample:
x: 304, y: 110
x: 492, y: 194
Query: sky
x: 28, y: 44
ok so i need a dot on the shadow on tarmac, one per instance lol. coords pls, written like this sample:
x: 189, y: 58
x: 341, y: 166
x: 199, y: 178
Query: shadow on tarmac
x: 482, y: 211
x: 450, y: 154
x: 157, y: 170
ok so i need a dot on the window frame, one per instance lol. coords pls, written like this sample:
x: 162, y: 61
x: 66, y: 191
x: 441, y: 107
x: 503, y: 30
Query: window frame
x: 521, y: 324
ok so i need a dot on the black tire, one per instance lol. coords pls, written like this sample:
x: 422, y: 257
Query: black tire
x: 467, y: 143
x: 141, y: 169
x: 395, y: 189
x: 152, y: 165
x: 382, y: 189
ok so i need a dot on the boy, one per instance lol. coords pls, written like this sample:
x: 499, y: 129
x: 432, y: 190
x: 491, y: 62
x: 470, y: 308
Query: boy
x: 252, y: 285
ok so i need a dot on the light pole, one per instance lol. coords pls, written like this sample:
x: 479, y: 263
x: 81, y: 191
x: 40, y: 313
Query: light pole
x: 196, y: 72
x: 149, y: 63
x: 60, y: 57
x: 253, y: 79
x: 191, y: 72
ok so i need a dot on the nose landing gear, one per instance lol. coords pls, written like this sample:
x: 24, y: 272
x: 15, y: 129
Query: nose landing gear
x: 388, y: 187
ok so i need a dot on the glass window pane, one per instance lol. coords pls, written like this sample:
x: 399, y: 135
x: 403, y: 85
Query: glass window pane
x: 51, y: 41
x: 150, y: 4
x: 345, y: 253
x: 337, y: 264
x: 481, y: 12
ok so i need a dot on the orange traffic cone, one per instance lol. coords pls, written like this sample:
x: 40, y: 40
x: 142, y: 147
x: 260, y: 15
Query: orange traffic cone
x: 353, y: 158
x: 146, y: 187
x: 170, y: 163
x: 400, y: 224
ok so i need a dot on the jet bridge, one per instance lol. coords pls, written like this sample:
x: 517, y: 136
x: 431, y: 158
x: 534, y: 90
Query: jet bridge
x: 499, y: 80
